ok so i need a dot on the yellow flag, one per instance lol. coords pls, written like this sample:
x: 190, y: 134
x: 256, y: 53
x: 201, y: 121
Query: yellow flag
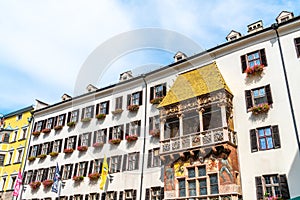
x: 104, y: 173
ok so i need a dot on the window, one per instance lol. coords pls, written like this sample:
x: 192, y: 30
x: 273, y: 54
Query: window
x: 14, y: 136
x: 94, y: 196
x: 85, y: 139
x: 77, y: 197
x: 61, y: 120
x: 4, y: 182
x: 258, y: 96
x: 102, y: 108
x: 70, y: 143
x: 19, y: 156
x: 19, y: 117
x: 264, y: 138
x: 116, y: 132
x: 34, y: 150
x: 56, y: 145
x: 67, y: 171
x: 135, y: 98
x: 297, y: 46
x: 133, y: 161
x: 100, y: 136
x: 133, y: 128
x: 28, y: 177
x: 87, y: 112
x: 119, y: 102
x: 82, y: 169
x: 51, y: 173
x: 49, y: 124
x: 13, y: 180
x: 154, y: 124
x: 214, y: 187
x: 111, y: 195
x: 115, y: 164
x: 130, y: 194
x: 272, y: 185
x: 155, y: 193
x: 39, y: 126
x: 252, y: 59
x: 6, y: 138
x: 24, y: 132
x: 45, y: 148
x: 39, y: 176
x: 181, y: 183
x: 191, y: 122
x: 8, y: 161
x: 97, y: 163
x: 171, y: 127
x: 153, y: 158
x: 73, y: 116
x: 2, y: 157
x: 158, y: 91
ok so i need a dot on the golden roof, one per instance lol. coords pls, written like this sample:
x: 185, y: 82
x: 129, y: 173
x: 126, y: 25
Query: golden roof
x: 195, y: 83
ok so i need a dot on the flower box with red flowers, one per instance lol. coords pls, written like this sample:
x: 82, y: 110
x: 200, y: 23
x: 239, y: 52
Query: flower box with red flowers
x: 82, y: 148
x: 94, y: 176
x: 255, y: 70
x: 260, y: 108
x: 101, y: 116
x: 36, y: 133
x: 58, y: 127
x: 133, y: 108
x: 53, y: 154
x: 34, y: 185
x: 31, y: 158
x: 87, y: 119
x: 115, y: 141
x: 117, y: 111
x: 154, y: 132
x: 42, y: 156
x: 46, y: 130
x: 47, y: 183
x: 78, y: 178
x: 69, y: 150
x: 98, y: 144
x: 156, y: 100
x: 131, y: 138
x: 71, y: 124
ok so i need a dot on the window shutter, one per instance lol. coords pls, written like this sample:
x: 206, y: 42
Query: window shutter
x: 263, y: 57
x: 119, y: 163
x: 244, y: 63
x: 110, y: 133
x: 90, y: 139
x: 137, y: 160
x: 79, y: 140
x: 77, y: 111
x: 87, y: 197
x: 39, y: 151
x: 124, y: 168
x: 103, y: 195
x: 121, y: 195
x: 141, y: 98
x: 105, y: 135
x: 34, y: 175
x: 61, y: 170
x: 94, y: 137
x: 69, y: 117
x: 162, y: 193
x: 127, y: 129
x: 66, y: 143
x: 74, y: 143
x: 139, y: 128
x: 147, y: 194
x: 164, y: 89
x: 75, y: 169
x: 34, y: 127
x: 115, y: 195
x: 108, y: 162
x: 30, y: 150
x: 248, y: 96
x: 128, y: 99
x: 91, y: 166
x: 50, y: 146
x: 97, y: 196
x: 259, y: 188
x: 85, y: 168
x: 70, y: 173
x: 149, y: 164
x: 64, y: 119
x: 97, y: 108
x: 269, y: 95
x: 92, y: 111
x: 253, y: 140
x: 54, y: 121
x: 59, y: 145
x: 44, y: 124
x: 134, y: 194
x: 82, y: 113
x: 24, y: 178
x: 122, y: 132
x: 107, y: 107
x: 150, y: 123
x: 52, y: 125
x: 151, y: 93
x: 276, y: 137
x: 284, y: 186
x: 45, y: 174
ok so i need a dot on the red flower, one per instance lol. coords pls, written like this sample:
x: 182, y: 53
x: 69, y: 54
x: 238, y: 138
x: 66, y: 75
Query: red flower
x: 131, y: 138
x: 82, y: 148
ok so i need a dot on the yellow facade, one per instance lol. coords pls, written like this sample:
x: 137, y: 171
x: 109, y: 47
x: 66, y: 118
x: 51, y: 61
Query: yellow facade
x: 15, y: 135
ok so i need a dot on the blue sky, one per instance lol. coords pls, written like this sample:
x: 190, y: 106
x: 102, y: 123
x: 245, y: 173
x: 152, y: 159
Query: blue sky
x: 43, y: 44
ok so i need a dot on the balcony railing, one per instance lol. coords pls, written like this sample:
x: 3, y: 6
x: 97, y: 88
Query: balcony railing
x: 194, y: 140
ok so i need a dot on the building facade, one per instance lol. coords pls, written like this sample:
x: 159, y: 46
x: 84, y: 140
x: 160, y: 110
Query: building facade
x: 222, y: 124
x: 13, y: 147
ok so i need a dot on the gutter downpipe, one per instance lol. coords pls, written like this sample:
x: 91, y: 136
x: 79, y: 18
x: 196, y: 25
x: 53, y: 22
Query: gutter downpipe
x: 144, y: 139
x: 275, y: 27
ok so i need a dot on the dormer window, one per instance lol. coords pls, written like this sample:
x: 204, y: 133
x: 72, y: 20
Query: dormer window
x: 233, y: 35
x: 284, y: 16
x: 179, y: 56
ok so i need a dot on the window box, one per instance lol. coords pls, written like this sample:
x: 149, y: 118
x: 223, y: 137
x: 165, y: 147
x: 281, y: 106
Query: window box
x: 156, y: 100
x: 115, y: 141
x: 131, y: 138
x: 260, y: 108
x: 101, y: 116
x: 82, y: 148
x: 94, y: 176
x: 35, y: 185
x: 71, y: 124
x: 42, y: 156
x: 78, y: 178
x: 36, y: 133
x: 47, y: 183
x: 255, y: 70
x: 31, y: 158
x: 59, y: 127
x: 46, y: 130
x: 54, y: 154
x: 133, y: 108
x: 87, y: 119
x: 155, y: 133
x: 98, y: 144
x: 117, y: 111
x: 70, y: 150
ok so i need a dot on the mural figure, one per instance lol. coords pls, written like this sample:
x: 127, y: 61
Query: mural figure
x: 169, y: 179
x: 225, y: 167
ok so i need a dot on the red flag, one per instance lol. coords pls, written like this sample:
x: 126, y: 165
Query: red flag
x: 18, y: 185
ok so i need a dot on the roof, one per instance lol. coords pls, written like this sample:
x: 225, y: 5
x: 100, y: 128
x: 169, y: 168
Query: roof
x: 195, y: 83
x: 23, y: 110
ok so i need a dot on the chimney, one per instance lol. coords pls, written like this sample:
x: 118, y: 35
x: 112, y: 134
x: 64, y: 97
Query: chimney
x: 125, y: 76
x: 254, y: 27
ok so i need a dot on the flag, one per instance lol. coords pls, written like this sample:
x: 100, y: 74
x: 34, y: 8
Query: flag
x: 104, y: 173
x: 18, y: 185
x: 55, y: 180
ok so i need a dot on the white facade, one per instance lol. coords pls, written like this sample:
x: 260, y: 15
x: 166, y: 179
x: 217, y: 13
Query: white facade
x: 253, y: 162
